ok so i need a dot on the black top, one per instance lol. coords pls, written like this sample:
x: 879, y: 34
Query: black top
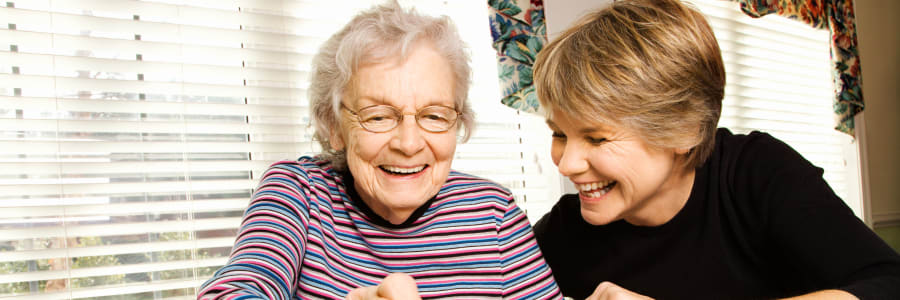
x: 760, y: 223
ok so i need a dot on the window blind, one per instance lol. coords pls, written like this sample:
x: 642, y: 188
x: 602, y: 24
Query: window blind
x: 779, y: 81
x: 132, y: 133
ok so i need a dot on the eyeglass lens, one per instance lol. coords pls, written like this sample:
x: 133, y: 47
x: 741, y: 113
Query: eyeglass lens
x: 381, y: 118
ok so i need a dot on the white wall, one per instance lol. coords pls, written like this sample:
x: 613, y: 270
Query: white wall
x: 560, y: 14
x: 878, y: 30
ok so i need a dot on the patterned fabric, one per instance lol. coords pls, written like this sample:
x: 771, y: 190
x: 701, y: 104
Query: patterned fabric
x: 839, y: 18
x: 518, y: 36
x: 302, y: 237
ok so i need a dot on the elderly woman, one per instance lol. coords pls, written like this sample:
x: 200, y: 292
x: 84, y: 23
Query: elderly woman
x: 669, y: 206
x: 389, y: 99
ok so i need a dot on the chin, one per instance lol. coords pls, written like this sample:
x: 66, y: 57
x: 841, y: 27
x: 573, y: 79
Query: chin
x: 405, y: 199
x: 595, y: 218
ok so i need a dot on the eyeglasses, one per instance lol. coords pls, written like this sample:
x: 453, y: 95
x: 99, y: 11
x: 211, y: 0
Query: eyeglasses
x: 383, y: 118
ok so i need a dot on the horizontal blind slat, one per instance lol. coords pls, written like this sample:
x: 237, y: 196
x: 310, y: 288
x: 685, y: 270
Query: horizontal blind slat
x: 12, y: 214
x: 111, y: 270
x: 116, y: 249
x: 119, y: 229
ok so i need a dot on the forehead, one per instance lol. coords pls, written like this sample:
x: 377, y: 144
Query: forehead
x: 424, y: 78
x: 562, y: 120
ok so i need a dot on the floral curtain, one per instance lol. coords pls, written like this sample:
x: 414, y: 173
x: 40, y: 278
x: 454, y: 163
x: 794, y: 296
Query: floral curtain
x: 517, y: 27
x: 838, y: 17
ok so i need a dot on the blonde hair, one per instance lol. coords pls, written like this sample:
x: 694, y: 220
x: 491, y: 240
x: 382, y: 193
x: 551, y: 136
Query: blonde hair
x: 381, y: 34
x: 652, y: 66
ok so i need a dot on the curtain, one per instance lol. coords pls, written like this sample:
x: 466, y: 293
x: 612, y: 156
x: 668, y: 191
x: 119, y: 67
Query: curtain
x: 518, y: 30
x: 517, y: 27
x: 838, y: 17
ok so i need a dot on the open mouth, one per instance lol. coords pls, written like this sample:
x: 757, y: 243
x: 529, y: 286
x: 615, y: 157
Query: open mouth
x: 402, y: 171
x: 596, y: 189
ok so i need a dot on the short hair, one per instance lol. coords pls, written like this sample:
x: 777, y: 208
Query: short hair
x: 381, y: 34
x: 652, y: 66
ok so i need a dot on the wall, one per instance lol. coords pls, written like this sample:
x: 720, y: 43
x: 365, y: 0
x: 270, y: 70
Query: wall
x: 559, y: 14
x: 878, y: 31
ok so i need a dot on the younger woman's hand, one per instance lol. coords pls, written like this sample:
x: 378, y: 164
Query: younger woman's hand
x: 396, y: 286
x: 609, y: 291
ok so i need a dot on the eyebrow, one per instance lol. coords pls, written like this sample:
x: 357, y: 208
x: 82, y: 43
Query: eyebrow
x: 590, y: 130
x: 551, y: 125
x: 430, y: 102
x: 587, y: 130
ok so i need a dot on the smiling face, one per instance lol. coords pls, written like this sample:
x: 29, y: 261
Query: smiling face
x: 617, y: 174
x: 396, y: 171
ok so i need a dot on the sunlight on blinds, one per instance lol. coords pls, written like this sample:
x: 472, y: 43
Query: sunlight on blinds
x: 132, y: 133
x: 779, y: 81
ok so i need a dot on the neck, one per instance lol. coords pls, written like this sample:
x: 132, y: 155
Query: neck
x: 392, y: 215
x: 668, y: 201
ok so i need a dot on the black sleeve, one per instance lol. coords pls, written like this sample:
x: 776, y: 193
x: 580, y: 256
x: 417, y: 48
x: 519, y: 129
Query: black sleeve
x: 809, y: 230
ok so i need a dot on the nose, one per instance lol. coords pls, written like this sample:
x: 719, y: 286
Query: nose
x: 571, y: 160
x: 408, y: 136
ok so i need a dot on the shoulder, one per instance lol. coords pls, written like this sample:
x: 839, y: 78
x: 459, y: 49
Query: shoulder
x: 758, y: 176
x: 306, y: 184
x: 304, y: 167
x: 304, y: 164
x: 305, y: 173
x: 473, y: 193
x: 756, y: 157
x: 459, y: 183
x: 756, y: 149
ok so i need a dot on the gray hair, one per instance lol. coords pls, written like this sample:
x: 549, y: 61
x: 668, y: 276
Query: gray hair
x: 380, y: 34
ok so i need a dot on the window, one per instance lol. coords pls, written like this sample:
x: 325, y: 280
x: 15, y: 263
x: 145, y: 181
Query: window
x: 779, y: 81
x: 132, y: 133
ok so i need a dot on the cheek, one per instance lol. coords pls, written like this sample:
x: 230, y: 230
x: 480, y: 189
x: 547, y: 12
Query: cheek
x: 444, y: 146
x: 556, y: 151
x: 364, y: 145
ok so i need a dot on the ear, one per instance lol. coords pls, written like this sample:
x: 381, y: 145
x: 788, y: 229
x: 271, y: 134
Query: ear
x: 336, y: 140
x: 682, y: 151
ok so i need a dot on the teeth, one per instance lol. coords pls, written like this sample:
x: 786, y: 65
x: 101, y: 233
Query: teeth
x: 403, y: 170
x: 584, y: 187
x: 595, y: 189
x: 597, y: 194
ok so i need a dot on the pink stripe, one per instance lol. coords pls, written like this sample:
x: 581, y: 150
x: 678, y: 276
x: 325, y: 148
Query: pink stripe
x: 444, y: 230
x: 448, y: 293
x: 264, y: 264
x: 352, y: 268
x: 526, y: 290
x: 243, y: 278
x: 266, y: 246
x: 467, y: 280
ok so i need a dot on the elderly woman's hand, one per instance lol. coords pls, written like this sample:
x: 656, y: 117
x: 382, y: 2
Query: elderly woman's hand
x: 609, y: 291
x: 394, y: 287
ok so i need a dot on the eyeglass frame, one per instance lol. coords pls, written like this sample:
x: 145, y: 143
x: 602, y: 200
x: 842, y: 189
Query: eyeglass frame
x: 402, y: 116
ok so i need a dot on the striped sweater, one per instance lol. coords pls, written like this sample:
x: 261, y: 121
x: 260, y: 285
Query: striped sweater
x: 303, y: 237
